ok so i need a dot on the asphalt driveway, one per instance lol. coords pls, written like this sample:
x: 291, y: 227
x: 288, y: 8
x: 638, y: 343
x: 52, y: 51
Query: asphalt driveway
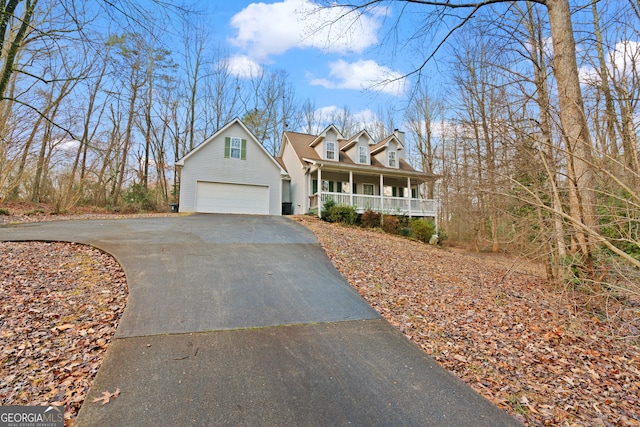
x: 243, y: 320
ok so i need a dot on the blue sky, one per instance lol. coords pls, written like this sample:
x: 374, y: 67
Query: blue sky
x: 334, y: 65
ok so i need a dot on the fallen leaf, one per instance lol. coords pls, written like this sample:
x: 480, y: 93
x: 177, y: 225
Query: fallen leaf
x: 106, y: 397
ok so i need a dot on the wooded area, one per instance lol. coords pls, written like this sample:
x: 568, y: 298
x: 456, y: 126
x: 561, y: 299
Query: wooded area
x: 530, y: 117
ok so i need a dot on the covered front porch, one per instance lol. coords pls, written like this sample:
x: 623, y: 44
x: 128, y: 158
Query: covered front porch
x: 389, y: 194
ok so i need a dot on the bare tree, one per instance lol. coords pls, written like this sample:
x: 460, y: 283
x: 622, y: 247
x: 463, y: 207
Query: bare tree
x: 269, y: 105
x: 310, y: 117
x: 422, y: 116
x: 130, y: 50
x: 572, y: 113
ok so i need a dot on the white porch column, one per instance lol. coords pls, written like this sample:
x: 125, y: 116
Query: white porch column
x: 350, y: 188
x: 381, y: 193
x: 435, y: 218
x: 409, y: 195
x: 319, y: 192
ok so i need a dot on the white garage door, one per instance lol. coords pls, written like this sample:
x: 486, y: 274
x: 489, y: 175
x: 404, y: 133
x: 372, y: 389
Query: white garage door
x: 216, y: 197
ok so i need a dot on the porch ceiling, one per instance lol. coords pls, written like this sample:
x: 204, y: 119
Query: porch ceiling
x: 370, y: 170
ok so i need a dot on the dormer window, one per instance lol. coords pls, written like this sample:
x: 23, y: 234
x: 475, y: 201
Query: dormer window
x: 393, y: 162
x: 363, y: 155
x: 330, y: 153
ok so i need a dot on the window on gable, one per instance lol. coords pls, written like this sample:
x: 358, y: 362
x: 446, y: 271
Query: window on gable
x: 331, y: 150
x: 393, y: 162
x: 235, y: 148
x: 363, y: 155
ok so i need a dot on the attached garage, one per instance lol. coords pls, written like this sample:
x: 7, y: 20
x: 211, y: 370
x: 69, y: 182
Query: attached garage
x: 218, y: 197
x: 231, y: 172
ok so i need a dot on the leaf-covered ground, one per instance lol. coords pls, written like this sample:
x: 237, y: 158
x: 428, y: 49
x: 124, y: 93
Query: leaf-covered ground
x: 527, y: 346
x: 60, y: 306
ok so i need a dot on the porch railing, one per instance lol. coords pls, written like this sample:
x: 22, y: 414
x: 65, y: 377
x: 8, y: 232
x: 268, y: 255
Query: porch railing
x: 387, y: 205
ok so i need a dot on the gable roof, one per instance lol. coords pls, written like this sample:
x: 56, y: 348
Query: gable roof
x: 307, y: 155
x: 382, y: 145
x: 350, y: 142
x: 323, y: 135
x: 221, y: 131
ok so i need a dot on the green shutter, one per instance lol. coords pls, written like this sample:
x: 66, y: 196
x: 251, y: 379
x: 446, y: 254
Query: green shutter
x: 339, y: 187
x: 355, y: 188
x: 227, y: 147
x: 394, y: 191
x: 315, y: 187
x: 243, y: 150
x: 330, y: 186
x: 414, y: 193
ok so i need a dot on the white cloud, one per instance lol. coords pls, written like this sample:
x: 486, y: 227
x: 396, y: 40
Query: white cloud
x: 363, y: 75
x: 328, y: 112
x: 364, y: 119
x: 589, y: 75
x: 67, y: 144
x: 624, y: 59
x: 272, y: 29
x: 242, y: 66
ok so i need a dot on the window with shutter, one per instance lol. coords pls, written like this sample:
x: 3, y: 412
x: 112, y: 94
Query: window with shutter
x: 235, y: 148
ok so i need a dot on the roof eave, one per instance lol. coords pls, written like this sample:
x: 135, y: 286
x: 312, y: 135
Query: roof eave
x: 371, y: 169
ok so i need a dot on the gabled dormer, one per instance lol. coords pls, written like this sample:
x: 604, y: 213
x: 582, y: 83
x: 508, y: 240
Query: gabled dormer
x: 327, y: 144
x: 390, y: 150
x: 358, y: 148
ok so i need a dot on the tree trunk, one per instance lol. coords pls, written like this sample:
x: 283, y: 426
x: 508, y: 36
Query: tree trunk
x: 546, y: 152
x: 574, y: 126
x: 12, y: 50
x: 127, y: 144
x: 610, y: 149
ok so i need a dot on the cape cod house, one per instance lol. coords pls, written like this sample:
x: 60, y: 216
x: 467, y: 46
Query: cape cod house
x: 356, y: 171
x: 231, y: 172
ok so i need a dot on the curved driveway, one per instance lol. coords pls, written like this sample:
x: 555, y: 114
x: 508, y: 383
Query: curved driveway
x: 243, y: 320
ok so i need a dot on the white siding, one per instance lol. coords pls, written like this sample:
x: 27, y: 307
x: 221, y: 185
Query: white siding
x: 208, y: 164
x: 354, y: 151
x: 383, y: 156
x: 299, y: 195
